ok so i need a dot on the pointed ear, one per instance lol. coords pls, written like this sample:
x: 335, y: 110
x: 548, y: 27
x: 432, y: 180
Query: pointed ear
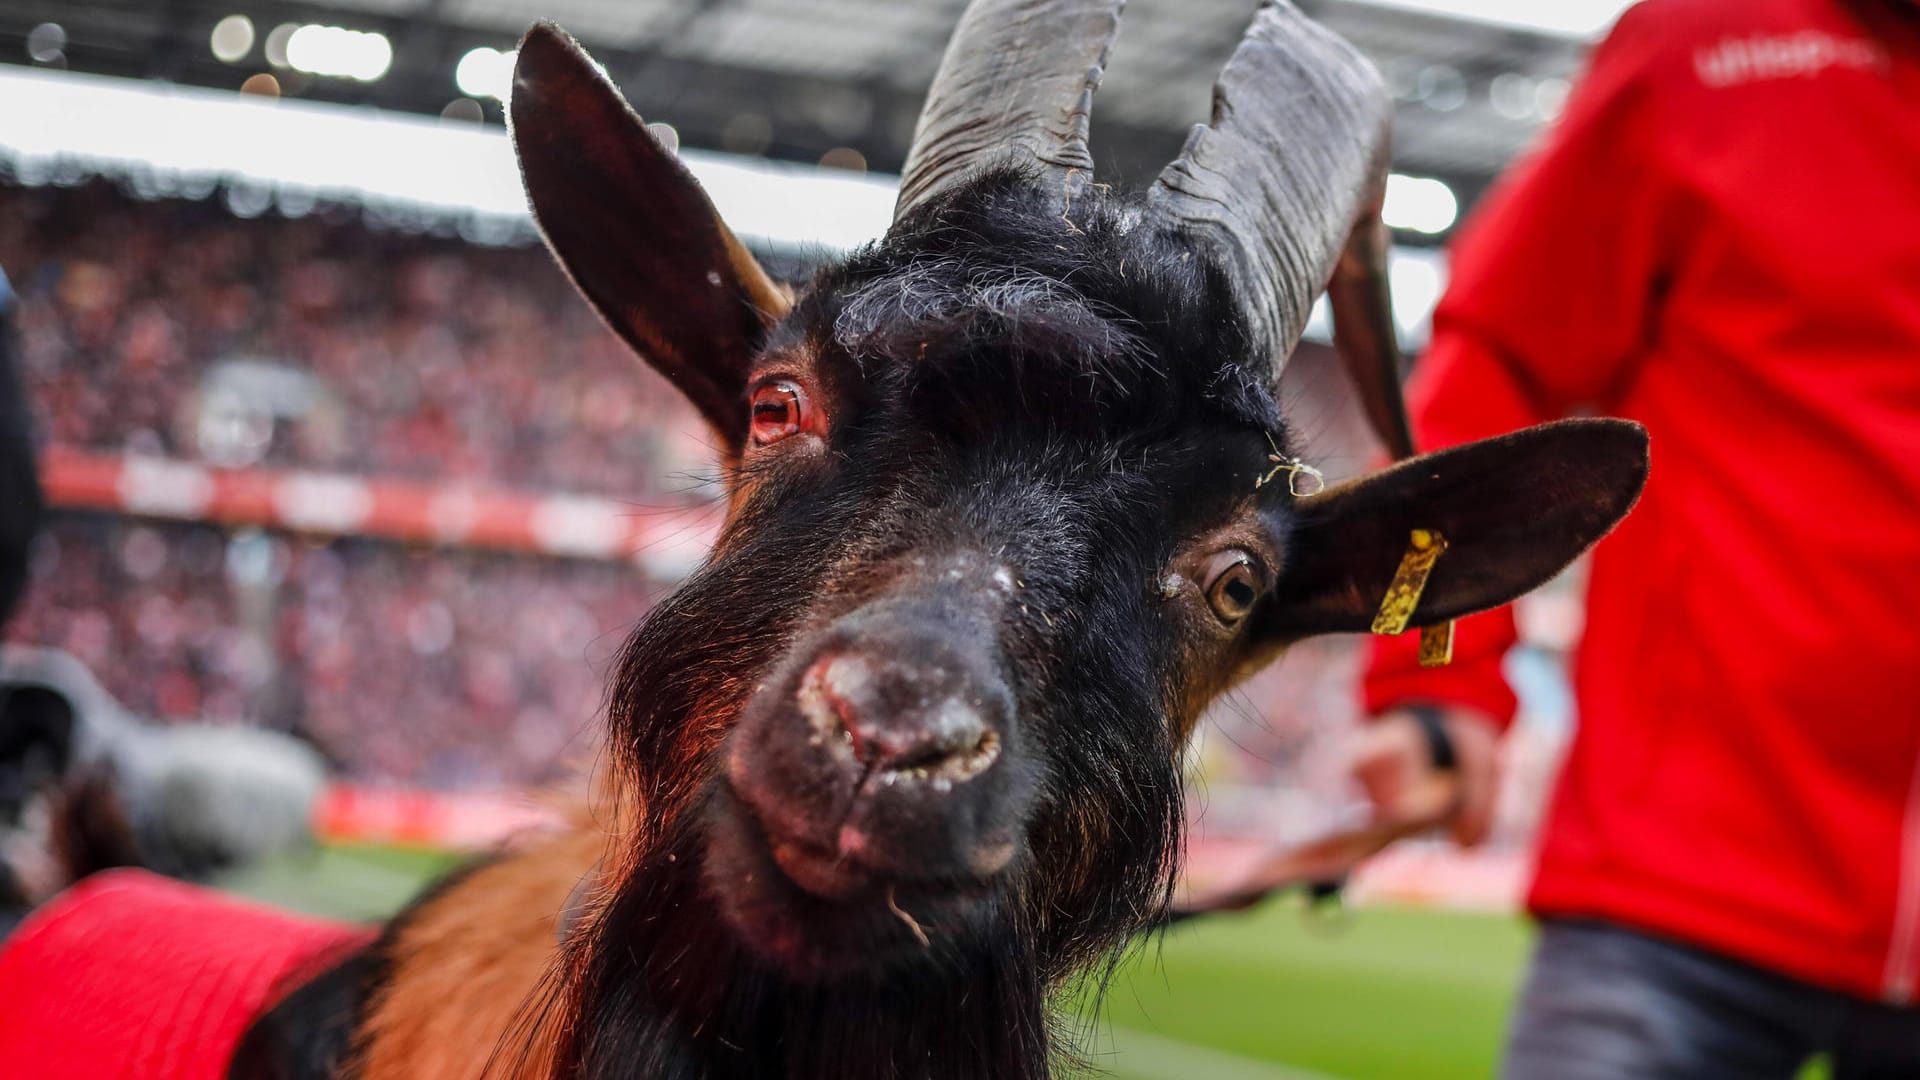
x: 636, y: 232
x: 1514, y: 510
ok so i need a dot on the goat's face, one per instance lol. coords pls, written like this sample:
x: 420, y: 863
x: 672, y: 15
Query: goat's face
x: 999, y: 528
x: 1013, y: 540
x: 992, y: 543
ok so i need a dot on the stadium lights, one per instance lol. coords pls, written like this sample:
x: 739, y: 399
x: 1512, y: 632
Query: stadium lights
x: 232, y: 39
x: 1581, y: 19
x: 364, y: 55
x: 45, y: 42
x: 488, y: 73
x: 1420, y: 204
x: 485, y: 73
x: 274, y: 48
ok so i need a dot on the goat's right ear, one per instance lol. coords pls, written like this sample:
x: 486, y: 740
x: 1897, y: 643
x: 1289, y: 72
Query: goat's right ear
x: 635, y: 231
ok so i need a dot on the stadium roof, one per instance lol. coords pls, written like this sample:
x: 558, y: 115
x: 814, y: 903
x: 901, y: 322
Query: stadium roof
x: 423, y: 173
x: 799, y: 79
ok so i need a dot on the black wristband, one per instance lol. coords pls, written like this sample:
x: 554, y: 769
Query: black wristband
x: 1439, y: 743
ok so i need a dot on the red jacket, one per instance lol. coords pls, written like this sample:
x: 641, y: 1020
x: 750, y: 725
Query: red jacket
x: 1721, y: 240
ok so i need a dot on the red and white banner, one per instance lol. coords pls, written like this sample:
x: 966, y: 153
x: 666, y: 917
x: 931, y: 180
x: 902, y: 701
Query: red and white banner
x: 665, y: 542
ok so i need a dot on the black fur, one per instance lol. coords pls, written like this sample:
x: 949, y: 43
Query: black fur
x: 309, y: 1034
x: 1047, y: 319
x: 1074, y: 399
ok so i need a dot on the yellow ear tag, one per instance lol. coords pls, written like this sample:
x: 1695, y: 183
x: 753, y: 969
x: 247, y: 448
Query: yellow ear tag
x: 1403, y: 596
x: 1436, y: 644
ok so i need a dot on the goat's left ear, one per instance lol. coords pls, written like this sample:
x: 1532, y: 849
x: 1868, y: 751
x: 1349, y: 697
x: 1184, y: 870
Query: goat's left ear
x: 1514, y: 511
x: 636, y: 232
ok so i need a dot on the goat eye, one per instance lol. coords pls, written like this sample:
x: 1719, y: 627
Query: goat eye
x: 779, y: 408
x: 1233, y: 585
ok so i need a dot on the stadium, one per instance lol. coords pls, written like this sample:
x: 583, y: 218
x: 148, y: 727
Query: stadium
x: 354, y: 520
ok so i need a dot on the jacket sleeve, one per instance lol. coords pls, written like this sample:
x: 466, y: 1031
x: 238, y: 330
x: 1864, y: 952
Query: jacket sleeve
x: 1555, y: 285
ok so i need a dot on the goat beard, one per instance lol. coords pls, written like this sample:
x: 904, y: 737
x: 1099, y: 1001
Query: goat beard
x: 666, y: 990
x: 663, y: 987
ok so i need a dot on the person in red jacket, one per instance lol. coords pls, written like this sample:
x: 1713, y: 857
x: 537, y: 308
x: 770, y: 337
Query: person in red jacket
x: 1721, y: 240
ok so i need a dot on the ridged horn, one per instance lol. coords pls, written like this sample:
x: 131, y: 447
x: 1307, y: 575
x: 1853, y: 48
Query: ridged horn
x: 1282, y: 190
x: 1015, y: 87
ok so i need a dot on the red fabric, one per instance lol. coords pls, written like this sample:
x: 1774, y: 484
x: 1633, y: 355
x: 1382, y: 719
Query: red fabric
x: 129, y: 975
x: 1721, y: 239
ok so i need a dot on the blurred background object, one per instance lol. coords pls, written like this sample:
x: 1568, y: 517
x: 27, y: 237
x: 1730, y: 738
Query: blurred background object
x: 332, y: 452
x: 20, y: 501
x: 85, y: 785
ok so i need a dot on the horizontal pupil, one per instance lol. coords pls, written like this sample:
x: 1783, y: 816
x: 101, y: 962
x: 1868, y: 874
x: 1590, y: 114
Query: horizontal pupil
x: 1240, y: 592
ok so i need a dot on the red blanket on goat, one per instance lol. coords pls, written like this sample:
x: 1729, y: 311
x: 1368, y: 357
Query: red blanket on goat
x: 132, y: 975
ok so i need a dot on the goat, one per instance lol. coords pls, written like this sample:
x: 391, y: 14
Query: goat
x: 902, y: 758
x: 86, y: 786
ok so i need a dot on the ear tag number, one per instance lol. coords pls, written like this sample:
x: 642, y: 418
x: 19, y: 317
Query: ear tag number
x: 1403, y: 596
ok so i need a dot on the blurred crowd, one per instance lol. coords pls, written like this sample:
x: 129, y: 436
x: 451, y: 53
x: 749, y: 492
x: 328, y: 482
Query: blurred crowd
x: 450, y: 669
x: 176, y: 328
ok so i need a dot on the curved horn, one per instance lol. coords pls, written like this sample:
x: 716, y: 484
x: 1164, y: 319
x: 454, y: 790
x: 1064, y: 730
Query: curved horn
x: 1363, y: 331
x: 1015, y: 86
x: 1283, y: 189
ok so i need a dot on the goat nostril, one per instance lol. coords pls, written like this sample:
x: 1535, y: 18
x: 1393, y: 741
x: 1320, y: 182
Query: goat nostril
x: 943, y: 762
x: 974, y: 760
x: 840, y: 700
x: 823, y: 697
x: 927, y: 756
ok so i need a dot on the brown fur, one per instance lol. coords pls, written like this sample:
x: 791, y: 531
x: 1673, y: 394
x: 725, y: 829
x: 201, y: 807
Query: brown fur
x: 469, y: 960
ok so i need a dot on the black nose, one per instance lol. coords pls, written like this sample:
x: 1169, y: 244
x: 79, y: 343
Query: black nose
x: 901, y: 724
x: 888, y: 751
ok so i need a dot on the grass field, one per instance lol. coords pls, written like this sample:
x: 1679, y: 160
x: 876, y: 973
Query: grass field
x: 1381, y: 995
x: 1376, y: 994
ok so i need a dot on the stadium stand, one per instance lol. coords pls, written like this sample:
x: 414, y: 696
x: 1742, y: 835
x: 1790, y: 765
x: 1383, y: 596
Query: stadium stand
x: 175, y: 328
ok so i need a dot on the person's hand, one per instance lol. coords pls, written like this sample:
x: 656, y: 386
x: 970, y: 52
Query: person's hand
x: 1410, y: 794
x: 1393, y: 761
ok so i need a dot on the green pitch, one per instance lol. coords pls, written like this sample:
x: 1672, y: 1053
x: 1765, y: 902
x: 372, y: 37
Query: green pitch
x: 342, y: 882
x: 1375, y: 994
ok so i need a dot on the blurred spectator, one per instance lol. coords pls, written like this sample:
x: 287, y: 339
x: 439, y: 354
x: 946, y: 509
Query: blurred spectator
x: 175, y: 328
x: 19, y: 486
x: 1719, y: 240
x: 454, y: 669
